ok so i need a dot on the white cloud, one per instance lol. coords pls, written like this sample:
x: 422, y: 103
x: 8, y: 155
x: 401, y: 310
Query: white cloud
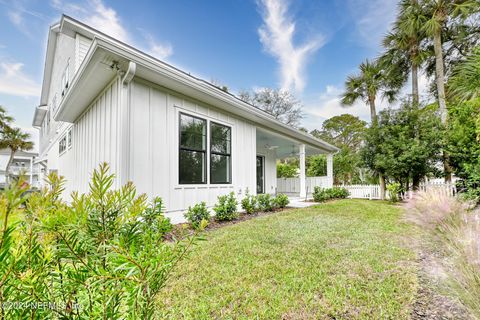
x: 157, y: 49
x: 105, y: 19
x: 96, y: 14
x: 276, y: 35
x: 13, y: 81
x: 372, y: 19
x: 15, y: 17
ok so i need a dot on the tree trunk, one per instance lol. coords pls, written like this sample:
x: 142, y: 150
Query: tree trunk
x: 440, y: 76
x: 382, y: 186
x: 373, y: 111
x: 415, y: 182
x: 415, y: 94
x: 7, y: 169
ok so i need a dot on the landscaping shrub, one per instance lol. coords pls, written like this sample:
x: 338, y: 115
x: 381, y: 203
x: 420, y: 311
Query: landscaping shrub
x: 321, y: 194
x: 100, y: 257
x: 249, y: 203
x: 265, y: 202
x: 198, y: 215
x: 226, y: 208
x: 394, y: 190
x: 454, y: 229
x: 281, y: 200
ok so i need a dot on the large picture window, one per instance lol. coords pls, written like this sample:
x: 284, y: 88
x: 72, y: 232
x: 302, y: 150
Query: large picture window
x: 220, y: 153
x: 193, y: 149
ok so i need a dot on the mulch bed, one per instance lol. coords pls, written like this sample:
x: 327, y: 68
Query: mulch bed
x: 182, y: 230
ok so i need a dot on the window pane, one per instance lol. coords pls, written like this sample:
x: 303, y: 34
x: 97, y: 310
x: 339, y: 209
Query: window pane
x: 220, y: 169
x: 192, y: 133
x: 221, y: 136
x: 192, y: 167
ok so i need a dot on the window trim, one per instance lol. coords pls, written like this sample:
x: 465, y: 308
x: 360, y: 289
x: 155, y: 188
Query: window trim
x: 180, y: 148
x: 62, y: 152
x: 229, y: 155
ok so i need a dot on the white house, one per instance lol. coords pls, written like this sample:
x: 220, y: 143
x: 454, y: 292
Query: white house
x: 173, y: 135
x: 24, y: 163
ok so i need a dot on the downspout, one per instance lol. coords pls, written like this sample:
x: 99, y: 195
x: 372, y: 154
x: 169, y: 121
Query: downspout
x: 123, y: 161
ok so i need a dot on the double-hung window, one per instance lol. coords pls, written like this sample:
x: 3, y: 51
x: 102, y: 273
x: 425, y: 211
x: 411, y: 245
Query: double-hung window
x: 220, y: 153
x: 193, y: 150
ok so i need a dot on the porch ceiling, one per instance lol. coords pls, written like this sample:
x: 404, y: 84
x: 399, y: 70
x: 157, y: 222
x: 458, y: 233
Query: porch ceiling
x: 284, y: 147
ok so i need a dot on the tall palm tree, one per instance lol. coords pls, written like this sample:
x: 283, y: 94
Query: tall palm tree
x: 403, y: 44
x: 439, y: 13
x: 14, y: 139
x: 5, y: 119
x: 372, y: 80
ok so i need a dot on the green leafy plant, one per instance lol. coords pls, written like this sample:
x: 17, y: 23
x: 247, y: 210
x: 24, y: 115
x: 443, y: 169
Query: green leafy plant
x: 102, y: 256
x: 265, y: 202
x: 281, y: 200
x: 321, y: 194
x: 196, y: 214
x: 249, y: 203
x: 394, y: 190
x: 226, y: 208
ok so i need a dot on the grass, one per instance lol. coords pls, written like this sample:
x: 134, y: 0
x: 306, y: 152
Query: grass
x: 339, y: 260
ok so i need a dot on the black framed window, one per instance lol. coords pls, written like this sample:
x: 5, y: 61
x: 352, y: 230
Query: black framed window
x: 220, y: 153
x: 193, y: 150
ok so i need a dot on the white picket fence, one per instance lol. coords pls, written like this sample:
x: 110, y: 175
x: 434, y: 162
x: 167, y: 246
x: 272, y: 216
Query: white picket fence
x: 291, y: 187
x: 363, y: 191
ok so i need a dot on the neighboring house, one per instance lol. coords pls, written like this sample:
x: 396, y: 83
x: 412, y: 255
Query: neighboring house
x: 173, y: 135
x: 24, y: 163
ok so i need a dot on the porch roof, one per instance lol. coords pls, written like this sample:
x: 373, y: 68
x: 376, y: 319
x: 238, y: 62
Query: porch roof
x: 284, y: 146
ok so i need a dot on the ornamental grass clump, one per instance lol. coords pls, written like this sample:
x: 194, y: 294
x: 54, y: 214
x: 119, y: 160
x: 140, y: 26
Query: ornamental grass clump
x: 102, y: 256
x: 455, y: 227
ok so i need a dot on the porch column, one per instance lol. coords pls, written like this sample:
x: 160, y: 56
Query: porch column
x: 31, y: 171
x: 330, y: 169
x: 303, y: 190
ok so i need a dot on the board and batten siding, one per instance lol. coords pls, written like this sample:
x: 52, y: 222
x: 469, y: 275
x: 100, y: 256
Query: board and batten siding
x: 95, y: 139
x: 154, y: 143
x: 82, y: 44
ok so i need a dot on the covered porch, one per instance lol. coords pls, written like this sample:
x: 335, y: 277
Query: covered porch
x: 273, y: 146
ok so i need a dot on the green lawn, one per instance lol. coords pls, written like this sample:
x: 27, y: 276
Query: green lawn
x: 338, y: 260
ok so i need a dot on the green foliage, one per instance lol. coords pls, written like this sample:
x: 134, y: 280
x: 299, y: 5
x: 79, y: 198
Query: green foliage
x: 249, y: 203
x: 197, y: 215
x: 281, y: 200
x: 463, y: 136
x: 321, y: 194
x: 101, y: 257
x: 405, y: 143
x: 265, y: 202
x: 226, y: 208
x: 394, y: 190
x: 316, y: 165
x: 465, y: 82
x: 346, y: 132
x: 287, y: 169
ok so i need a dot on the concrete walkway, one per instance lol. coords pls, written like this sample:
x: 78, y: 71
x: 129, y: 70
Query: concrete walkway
x: 297, y: 202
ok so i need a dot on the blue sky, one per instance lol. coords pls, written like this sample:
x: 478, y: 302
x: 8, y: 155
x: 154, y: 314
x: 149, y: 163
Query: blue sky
x: 307, y: 47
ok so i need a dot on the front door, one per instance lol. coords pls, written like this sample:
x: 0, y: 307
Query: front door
x: 260, y: 174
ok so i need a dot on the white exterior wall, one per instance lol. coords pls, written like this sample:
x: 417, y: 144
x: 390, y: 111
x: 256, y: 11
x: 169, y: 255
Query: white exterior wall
x: 153, y: 161
x: 70, y: 51
x: 270, y: 170
x: 95, y: 139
